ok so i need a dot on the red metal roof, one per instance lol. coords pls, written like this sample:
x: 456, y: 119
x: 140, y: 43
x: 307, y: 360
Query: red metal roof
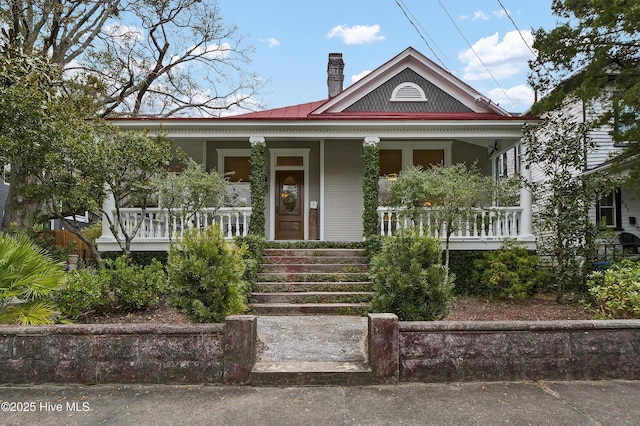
x: 303, y: 112
x: 285, y: 113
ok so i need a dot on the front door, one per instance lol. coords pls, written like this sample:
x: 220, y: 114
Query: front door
x: 289, y: 205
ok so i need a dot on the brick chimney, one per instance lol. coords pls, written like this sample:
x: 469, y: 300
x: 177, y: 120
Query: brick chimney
x: 335, y: 74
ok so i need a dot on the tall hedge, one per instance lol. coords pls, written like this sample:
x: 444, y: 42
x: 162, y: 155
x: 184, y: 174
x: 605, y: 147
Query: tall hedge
x: 371, y: 190
x: 258, y: 181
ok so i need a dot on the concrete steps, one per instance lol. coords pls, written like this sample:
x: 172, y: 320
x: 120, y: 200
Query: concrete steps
x: 312, y: 282
x: 318, y: 373
x: 319, y: 350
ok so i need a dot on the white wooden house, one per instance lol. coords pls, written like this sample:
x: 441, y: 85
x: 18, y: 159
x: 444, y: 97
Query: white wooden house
x: 414, y: 111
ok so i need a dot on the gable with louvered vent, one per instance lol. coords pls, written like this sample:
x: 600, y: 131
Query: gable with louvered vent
x: 408, y: 92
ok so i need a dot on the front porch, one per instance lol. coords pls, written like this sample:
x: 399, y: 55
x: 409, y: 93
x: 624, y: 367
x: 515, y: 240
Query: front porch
x: 483, y: 229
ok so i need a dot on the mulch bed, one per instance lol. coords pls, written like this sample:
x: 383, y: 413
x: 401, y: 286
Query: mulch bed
x: 538, y: 308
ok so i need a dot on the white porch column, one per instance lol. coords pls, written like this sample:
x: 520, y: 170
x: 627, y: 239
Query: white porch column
x: 371, y: 141
x: 256, y: 140
x: 108, y: 205
x: 526, y: 219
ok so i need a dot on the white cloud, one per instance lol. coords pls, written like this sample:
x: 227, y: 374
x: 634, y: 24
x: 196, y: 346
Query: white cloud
x: 522, y: 96
x: 358, y: 34
x: 356, y: 77
x: 213, y: 51
x: 271, y: 42
x: 479, y: 15
x: 500, y: 13
x: 123, y: 31
x: 503, y: 58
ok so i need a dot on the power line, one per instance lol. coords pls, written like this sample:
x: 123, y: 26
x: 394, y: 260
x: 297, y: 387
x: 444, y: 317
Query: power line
x: 452, y: 67
x: 517, y: 29
x: 476, y: 54
x: 419, y: 33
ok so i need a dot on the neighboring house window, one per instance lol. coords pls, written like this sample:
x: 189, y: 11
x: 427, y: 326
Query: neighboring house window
x: 619, y: 126
x: 608, y: 210
x: 408, y: 92
x: 498, y: 167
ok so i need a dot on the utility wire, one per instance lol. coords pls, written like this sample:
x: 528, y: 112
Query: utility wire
x: 419, y: 33
x: 517, y: 29
x: 476, y: 54
x: 413, y: 17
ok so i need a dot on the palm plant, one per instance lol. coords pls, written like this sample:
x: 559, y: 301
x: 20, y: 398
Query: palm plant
x: 28, y: 276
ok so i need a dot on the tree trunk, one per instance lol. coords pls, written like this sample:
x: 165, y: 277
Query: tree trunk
x: 20, y: 210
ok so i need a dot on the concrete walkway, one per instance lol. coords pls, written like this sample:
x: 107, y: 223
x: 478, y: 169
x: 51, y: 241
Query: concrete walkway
x: 312, y: 338
x: 518, y: 403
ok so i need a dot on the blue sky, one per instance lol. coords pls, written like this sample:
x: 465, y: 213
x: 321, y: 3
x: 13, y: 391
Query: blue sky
x: 292, y: 40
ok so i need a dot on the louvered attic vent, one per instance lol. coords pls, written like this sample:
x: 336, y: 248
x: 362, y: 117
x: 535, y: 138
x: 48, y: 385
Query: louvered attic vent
x: 408, y: 92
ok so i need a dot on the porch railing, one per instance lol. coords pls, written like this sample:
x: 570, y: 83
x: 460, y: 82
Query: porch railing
x: 157, y: 224
x: 493, y: 223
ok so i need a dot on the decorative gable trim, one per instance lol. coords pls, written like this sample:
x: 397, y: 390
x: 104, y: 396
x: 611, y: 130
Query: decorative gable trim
x: 408, y: 92
x: 421, y: 65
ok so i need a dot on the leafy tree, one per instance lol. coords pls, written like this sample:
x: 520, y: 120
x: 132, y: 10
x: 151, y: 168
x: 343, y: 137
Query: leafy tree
x: 452, y: 191
x: 28, y: 90
x: 28, y: 277
x: 98, y: 163
x: 164, y: 57
x: 594, y: 54
x: 109, y: 57
x: 185, y: 193
x: 558, y: 147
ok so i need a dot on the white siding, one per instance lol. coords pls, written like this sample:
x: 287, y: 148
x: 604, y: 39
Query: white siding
x: 343, y: 191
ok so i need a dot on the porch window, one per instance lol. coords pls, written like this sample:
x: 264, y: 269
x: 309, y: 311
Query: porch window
x: 237, y: 169
x: 390, y: 162
x: 428, y: 158
x: 608, y: 210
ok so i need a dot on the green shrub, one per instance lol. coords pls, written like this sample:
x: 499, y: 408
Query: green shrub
x: 462, y: 265
x: 205, y: 276
x: 510, y: 272
x: 134, y: 286
x: 28, y: 278
x: 373, y: 245
x: 253, y: 247
x: 85, y: 291
x: 119, y: 286
x: 142, y: 258
x: 409, y: 279
x: 616, y: 291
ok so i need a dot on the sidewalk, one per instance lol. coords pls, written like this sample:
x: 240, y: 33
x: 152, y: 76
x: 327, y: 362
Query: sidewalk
x: 519, y: 403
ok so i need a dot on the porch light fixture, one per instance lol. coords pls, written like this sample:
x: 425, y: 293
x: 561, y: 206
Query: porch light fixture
x: 392, y: 177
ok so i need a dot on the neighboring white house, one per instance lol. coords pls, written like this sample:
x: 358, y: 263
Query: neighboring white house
x: 620, y: 209
x: 414, y: 111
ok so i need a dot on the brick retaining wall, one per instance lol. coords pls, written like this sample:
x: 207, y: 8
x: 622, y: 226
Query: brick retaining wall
x: 90, y: 354
x: 398, y: 351
x: 566, y: 350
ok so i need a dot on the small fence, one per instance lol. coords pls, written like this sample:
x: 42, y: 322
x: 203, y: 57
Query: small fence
x: 66, y: 239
